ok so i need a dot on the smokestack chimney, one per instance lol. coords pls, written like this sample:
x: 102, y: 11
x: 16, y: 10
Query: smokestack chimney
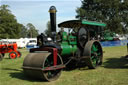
x: 52, y: 12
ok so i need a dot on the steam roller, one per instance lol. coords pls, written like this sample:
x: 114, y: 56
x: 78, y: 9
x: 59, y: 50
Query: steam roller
x: 79, y: 46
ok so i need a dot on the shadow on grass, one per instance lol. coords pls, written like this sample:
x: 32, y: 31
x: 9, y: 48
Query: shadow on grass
x: 79, y: 66
x: 116, y: 63
x: 76, y: 68
x: 7, y: 58
x: 11, y: 69
x: 20, y: 75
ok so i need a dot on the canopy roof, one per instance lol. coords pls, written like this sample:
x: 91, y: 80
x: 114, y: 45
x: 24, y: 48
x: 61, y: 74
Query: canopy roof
x: 78, y: 23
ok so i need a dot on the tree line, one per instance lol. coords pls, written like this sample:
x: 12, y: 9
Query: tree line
x: 113, y: 12
x: 10, y: 28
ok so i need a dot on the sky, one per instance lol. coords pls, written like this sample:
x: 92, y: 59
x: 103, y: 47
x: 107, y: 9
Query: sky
x: 36, y: 11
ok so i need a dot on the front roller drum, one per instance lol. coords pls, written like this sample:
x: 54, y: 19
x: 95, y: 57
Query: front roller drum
x: 93, y: 53
x: 41, y: 66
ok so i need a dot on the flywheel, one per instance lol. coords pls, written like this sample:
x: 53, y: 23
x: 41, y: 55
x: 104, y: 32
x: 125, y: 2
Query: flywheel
x: 82, y: 37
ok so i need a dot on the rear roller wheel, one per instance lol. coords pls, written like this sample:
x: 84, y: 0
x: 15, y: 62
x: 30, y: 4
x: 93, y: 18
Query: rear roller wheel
x: 35, y: 64
x: 93, y: 53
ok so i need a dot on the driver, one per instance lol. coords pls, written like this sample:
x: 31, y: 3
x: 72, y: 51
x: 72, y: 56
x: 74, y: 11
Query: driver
x: 59, y: 35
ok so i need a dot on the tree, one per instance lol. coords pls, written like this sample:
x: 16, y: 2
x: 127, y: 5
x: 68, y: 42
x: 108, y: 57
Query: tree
x: 32, y: 32
x: 48, y: 30
x: 9, y: 27
x: 112, y: 12
x: 23, y: 32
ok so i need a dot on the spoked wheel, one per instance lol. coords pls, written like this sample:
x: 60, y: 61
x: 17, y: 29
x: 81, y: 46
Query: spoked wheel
x: 93, y: 53
x: 83, y: 37
x: 19, y: 54
x: 41, y: 66
x: 1, y: 56
x: 12, y: 55
x: 52, y: 74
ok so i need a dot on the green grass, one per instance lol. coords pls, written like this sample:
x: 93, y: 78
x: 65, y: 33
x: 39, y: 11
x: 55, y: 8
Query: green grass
x: 114, y: 71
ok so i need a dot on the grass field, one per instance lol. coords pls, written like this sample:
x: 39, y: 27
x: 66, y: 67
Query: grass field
x: 114, y: 71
